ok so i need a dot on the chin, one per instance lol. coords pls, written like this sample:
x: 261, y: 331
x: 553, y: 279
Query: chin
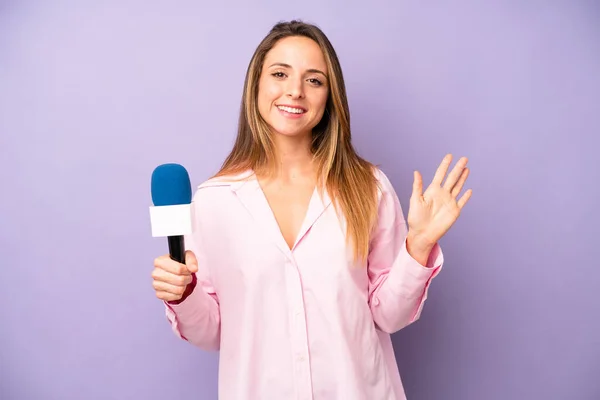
x: 290, y: 132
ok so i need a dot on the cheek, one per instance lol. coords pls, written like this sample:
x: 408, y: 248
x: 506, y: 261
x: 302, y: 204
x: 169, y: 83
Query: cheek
x: 264, y: 102
x: 268, y: 93
x: 322, y: 104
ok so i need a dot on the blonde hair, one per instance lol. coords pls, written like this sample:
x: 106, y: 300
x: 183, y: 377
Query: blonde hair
x: 349, y: 179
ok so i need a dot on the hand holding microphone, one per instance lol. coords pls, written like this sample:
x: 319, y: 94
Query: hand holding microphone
x: 171, y: 278
x: 171, y: 216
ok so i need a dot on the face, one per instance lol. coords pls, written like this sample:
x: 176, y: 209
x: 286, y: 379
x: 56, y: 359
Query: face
x: 293, y: 86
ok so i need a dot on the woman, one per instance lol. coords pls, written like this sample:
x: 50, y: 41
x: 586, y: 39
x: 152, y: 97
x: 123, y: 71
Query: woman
x: 301, y: 263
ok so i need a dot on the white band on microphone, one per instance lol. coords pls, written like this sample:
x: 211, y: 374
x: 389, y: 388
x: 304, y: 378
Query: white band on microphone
x: 173, y: 220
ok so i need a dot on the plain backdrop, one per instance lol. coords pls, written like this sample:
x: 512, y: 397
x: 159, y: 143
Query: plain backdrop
x: 95, y: 94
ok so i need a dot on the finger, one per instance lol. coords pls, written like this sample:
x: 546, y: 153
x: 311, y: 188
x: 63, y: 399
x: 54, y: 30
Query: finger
x: 173, y: 279
x: 166, y: 296
x: 191, y: 262
x: 465, y: 197
x: 172, y: 266
x: 442, y: 170
x: 168, y: 288
x: 461, y: 182
x: 417, y: 185
x: 456, y: 173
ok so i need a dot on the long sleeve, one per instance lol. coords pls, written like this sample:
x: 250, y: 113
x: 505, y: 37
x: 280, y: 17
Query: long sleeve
x: 398, y: 284
x: 197, y: 318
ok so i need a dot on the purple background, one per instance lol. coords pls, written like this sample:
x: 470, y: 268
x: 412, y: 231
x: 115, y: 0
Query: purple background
x: 94, y: 95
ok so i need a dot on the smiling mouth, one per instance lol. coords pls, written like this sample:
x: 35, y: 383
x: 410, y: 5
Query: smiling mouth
x: 291, y: 110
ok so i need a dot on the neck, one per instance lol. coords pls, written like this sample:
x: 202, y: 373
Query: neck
x: 293, y: 157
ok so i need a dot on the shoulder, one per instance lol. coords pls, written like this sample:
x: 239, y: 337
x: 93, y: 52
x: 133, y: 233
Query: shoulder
x: 388, y: 203
x: 231, y: 181
x: 215, y: 198
x: 218, y: 186
x: 384, y: 185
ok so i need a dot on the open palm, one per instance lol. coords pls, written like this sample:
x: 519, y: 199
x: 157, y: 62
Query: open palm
x: 431, y: 214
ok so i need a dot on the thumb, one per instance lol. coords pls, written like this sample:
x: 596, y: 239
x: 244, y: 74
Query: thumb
x: 417, y: 185
x: 190, y: 261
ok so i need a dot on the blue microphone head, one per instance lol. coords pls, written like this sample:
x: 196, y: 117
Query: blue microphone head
x: 171, y: 185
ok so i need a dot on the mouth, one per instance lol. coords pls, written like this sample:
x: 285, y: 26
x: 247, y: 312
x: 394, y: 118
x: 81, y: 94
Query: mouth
x: 291, y: 110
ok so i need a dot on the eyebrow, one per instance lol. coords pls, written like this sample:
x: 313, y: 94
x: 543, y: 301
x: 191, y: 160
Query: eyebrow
x: 312, y: 70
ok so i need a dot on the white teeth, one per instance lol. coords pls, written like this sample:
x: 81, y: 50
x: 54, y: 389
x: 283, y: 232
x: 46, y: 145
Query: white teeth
x: 291, y: 110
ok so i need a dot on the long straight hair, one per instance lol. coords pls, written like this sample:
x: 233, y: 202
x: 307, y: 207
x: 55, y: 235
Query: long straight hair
x: 349, y: 179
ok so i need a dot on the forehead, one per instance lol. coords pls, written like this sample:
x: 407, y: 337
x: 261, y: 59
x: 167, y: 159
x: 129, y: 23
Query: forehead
x: 299, y: 52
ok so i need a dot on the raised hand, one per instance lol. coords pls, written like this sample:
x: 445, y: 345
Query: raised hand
x: 431, y: 214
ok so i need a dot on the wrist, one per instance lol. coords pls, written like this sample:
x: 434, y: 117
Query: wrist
x: 419, y: 242
x: 419, y: 248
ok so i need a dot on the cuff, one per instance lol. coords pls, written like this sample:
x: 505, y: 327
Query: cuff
x: 408, y: 277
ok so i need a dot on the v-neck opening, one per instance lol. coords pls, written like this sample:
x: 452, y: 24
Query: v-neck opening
x: 256, y: 202
x: 307, y: 211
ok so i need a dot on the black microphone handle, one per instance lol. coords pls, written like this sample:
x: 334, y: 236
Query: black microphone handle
x: 177, y: 248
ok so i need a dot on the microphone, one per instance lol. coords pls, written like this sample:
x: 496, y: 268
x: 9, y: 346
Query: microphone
x: 171, y: 215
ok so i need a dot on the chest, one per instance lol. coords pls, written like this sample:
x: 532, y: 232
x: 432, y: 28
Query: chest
x: 289, y: 204
x: 248, y: 251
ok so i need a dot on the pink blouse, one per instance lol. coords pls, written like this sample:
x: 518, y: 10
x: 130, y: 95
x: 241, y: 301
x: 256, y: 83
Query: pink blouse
x: 301, y: 323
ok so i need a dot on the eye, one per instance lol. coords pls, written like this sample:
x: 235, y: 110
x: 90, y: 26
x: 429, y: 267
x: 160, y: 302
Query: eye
x: 278, y: 74
x: 315, y: 81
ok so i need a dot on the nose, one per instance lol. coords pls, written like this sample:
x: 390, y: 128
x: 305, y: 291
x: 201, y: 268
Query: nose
x: 295, y: 89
